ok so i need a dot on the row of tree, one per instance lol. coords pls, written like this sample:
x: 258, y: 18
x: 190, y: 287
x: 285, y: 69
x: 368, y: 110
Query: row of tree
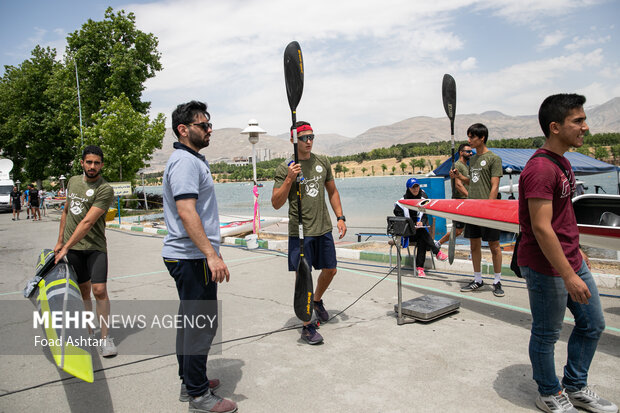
x: 602, y: 146
x: 42, y: 129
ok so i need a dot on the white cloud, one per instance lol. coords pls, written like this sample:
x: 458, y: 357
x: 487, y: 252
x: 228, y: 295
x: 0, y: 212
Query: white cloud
x: 552, y: 39
x: 579, y: 42
x: 469, y: 63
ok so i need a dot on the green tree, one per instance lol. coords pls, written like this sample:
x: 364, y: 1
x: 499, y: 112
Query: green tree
x: 383, y: 168
x: 127, y: 137
x: 393, y: 169
x: 412, y: 163
x: 113, y: 57
x: 364, y: 169
x: 372, y: 168
x: 338, y: 168
x: 344, y: 171
x: 615, y: 151
x: 601, y: 153
x: 585, y: 150
x: 419, y: 163
x: 28, y: 130
x: 403, y: 166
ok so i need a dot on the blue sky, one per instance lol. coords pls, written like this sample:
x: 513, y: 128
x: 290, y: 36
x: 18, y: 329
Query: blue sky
x: 366, y: 63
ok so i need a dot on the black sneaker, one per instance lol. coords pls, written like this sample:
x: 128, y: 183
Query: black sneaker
x: 321, y: 312
x: 472, y: 286
x: 310, y: 335
x: 497, y: 289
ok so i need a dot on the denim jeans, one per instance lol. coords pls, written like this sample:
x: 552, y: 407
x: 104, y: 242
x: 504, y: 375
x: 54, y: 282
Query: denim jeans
x: 194, y: 285
x: 548, y: 302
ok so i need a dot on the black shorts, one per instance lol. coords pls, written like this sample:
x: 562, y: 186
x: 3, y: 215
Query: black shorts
x: 458, y: 224
x: 34, y: 204
x: 320, y: 252
x: 89, y: 265
x: 17, y: 206
x: 487, y: 234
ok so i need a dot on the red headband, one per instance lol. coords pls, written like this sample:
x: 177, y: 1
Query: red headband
x: 302, y: 128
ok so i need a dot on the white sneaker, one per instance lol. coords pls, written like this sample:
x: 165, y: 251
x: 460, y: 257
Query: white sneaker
x: 437, y: 244
x: 108, y: 349
x: 587, y: 398
x: 555, y: 403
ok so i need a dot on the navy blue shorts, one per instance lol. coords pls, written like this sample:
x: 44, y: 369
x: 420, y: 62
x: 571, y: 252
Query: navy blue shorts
x: 320, y: 252
x: 487, y: 234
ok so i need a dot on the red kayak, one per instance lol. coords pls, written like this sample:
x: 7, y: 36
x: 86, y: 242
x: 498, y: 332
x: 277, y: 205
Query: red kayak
x: 598, y: 216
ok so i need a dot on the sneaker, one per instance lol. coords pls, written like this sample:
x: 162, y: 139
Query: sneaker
x: 421, y: 272
x: 321, y: 312
x: 472, y: 286
x: 441, y: 256
x: 108, y: 349
x: 587, y: 398
x: 555, y: 403
x: 184, y: 395
x: 310, y: 335
x: 437, y: 244
x: 210, y: 402
x: 497, y: 289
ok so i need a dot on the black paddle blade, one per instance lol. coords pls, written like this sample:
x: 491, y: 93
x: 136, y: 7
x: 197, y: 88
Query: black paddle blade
x: 293, y: 74
x: 452, y: 244
x: 303, y: 299
x: 448, y: 93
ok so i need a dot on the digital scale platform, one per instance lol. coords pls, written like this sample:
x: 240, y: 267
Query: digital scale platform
x: 424, y: 308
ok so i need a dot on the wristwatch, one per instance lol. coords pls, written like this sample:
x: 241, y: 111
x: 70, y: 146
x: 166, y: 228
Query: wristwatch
x: 341, y: 218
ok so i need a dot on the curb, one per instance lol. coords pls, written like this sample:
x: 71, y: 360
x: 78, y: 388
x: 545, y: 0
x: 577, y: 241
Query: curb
x: 464, y: 266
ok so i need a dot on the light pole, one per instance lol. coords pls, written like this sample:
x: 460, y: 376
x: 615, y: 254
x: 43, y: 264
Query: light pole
x: 62, y: 182
x: 17, y: 183
x: 146, y: 205
x: 253, y: 131
x: 509, y: 172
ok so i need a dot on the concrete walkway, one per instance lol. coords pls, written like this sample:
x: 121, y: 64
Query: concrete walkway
x: 471, y: 361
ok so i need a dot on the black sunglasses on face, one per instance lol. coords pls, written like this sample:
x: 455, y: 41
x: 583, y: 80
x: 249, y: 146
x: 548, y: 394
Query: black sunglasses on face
x: 306, y: 138
x: 470, y: 151
x: 204, y: 125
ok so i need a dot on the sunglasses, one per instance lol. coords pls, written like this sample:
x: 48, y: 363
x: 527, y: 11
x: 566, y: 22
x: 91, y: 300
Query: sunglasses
x: 306, y: 138
x: 469, y: 151
x: 204, y: 125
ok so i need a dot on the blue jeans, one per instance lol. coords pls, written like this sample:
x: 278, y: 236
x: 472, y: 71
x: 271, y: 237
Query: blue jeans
x: 548, y: 302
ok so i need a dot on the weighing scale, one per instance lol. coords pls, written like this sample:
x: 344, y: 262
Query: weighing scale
x: 424, y: 308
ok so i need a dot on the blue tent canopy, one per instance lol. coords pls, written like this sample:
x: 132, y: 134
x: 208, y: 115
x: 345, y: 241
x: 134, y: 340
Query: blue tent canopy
x: 517, y: 158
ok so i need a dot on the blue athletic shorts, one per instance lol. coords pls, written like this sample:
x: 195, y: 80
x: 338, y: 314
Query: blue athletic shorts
x: 320, y: 252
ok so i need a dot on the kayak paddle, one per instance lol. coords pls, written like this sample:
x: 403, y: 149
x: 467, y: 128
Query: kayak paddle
x: 294, y: 79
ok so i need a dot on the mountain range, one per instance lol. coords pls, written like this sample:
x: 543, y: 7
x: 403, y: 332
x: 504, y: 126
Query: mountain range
x: 228, y: 143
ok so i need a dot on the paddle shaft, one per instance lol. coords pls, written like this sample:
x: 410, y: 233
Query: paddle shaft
x: 298, y: 188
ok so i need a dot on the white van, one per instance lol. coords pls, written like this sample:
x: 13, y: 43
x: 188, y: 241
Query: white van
x: 6, y: 184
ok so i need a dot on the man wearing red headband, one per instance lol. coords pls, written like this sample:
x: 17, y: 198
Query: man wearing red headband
x: 319, y: 248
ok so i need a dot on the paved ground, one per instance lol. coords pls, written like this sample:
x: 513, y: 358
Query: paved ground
x: 471, y: 361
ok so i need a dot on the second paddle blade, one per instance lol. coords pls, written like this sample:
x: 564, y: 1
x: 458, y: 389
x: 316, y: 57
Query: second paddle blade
x: 303, y: 297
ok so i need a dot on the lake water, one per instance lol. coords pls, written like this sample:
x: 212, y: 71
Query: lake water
x: 366, y: 201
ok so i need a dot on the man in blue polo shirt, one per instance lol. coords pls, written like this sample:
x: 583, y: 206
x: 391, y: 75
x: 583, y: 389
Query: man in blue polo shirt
x: 191, y: 251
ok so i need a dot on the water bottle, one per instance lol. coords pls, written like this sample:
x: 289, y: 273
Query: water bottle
x: 300, y: 177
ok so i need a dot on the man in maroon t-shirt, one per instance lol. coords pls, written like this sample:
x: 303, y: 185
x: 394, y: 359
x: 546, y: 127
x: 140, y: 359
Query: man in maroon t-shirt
x: 551, y: 262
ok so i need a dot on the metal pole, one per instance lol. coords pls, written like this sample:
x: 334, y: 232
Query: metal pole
x: 77, y: 80
x: 254, y: 162
x: 146, y: 205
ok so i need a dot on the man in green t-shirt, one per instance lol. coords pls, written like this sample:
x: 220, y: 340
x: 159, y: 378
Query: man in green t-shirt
x: 459, y: 188
x: 316, y: 178
x: 485, y: 171
x: 81, y: 237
